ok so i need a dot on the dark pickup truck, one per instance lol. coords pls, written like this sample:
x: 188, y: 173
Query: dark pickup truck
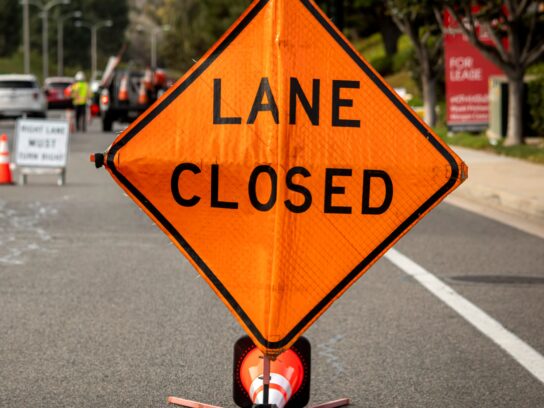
x: 125, y: 93
x: 121, y: 100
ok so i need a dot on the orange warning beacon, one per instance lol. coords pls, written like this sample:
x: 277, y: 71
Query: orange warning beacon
x: 260, y: 382
x: 288, y: 382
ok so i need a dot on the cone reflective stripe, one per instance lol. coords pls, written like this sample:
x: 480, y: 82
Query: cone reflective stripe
x: 148, y: 79
x: 123, y: 89
x: 286, y: 376
x: 279, y: 392
x: 5, y: 171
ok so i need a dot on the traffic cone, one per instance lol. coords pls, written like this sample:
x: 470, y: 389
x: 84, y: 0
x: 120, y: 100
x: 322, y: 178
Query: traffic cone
x: 148, y: 79
x: 122, y: 96
x: 286, y: 377
x: 142, y: 94
x: 5, y: 171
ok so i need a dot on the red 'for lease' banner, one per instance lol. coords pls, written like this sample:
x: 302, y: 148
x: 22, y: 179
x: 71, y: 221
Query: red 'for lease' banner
x: 467, y: 79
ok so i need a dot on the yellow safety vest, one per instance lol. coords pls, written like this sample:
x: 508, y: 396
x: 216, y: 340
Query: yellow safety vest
x: 80, y: 91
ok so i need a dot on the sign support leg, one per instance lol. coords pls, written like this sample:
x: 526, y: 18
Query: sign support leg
x: 180, y: 402
x: 61, y: 180
x: 266, y: 379
x: 344, y: 402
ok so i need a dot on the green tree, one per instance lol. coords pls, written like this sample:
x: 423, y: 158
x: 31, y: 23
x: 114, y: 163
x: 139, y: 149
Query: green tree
x: 421, y: 22
x: 521, y: 24
x: 383, y: 23
x: 195, y: 26
x: 77, y: 43
x: 336, y: 10
x: 362, y: 18
x: 9, y: 17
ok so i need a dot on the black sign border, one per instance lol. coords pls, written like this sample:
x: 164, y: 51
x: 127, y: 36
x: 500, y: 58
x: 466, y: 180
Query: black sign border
x: 396, y: 234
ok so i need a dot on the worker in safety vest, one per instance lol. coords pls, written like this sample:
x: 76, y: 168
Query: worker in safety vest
x: 80, y: 95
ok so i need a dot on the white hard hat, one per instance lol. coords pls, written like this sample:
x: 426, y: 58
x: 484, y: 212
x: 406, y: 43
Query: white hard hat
x: 80, y: 76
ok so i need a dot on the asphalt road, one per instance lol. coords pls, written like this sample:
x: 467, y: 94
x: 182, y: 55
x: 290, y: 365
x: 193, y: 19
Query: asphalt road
x: 98, y: 309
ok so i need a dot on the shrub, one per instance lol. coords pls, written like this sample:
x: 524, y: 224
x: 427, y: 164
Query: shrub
x: 383, y: 64
x: 535, y: 100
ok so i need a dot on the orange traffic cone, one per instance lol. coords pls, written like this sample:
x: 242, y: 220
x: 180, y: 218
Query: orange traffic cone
x: 5, y: 171
x: 286, y: 376
x: 142, y: 94
x: 122, y: 96
x: 148, y: 79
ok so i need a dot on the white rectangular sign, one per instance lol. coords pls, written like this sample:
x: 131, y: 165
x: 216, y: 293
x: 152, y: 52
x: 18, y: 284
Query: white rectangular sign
x: 41, y: 143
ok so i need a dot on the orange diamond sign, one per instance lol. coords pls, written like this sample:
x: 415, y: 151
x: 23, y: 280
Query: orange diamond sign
x: 282, y: 166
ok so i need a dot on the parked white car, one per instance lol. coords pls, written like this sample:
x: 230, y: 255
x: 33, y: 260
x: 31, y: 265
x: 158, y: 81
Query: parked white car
x: 21, y: 95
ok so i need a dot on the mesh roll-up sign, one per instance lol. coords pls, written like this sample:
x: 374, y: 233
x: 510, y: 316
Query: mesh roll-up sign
x: 282, y: 166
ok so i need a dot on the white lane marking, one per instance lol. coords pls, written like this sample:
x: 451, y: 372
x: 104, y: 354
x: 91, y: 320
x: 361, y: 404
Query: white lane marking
x: 524, y: 354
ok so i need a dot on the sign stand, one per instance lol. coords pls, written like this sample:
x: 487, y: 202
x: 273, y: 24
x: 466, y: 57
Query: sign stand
x: 24, y: 172
x: 266, y: 394
x: 180, y: 402
x: 369, y: 140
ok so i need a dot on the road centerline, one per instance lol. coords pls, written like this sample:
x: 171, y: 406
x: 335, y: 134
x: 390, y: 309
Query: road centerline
x: 520, y: 351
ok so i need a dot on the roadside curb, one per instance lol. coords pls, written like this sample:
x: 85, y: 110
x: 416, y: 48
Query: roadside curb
x: 502, y: 200
x: 504, y: 183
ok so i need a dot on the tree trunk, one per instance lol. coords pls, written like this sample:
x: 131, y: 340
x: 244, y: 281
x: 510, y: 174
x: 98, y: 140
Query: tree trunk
x: 390, y: 35
x: 339, y: 14
x: 429, y: 99
x: 514, y: 134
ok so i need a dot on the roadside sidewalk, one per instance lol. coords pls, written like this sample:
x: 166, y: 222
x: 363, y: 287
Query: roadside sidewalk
x: 503, y: 183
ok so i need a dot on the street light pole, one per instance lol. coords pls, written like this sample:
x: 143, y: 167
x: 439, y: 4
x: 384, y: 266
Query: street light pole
x: 60, y: 39
x: 154, y: 32
x: 44, y: 8
x: 26, y: 37
x: 45, y: 45
x: 94, y: 30
x: 60, y: 47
